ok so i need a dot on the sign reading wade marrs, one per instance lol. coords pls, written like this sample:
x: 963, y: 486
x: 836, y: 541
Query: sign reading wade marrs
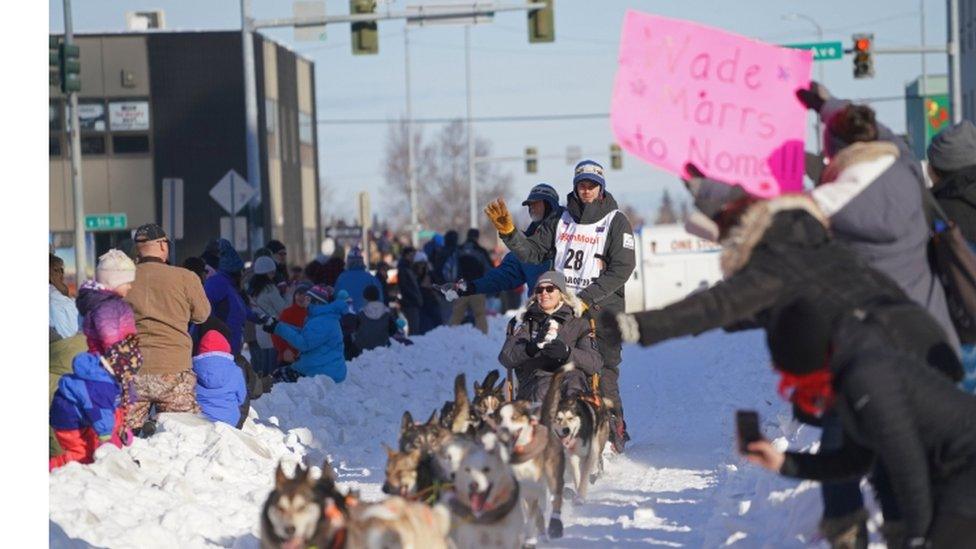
x: 688, y: 93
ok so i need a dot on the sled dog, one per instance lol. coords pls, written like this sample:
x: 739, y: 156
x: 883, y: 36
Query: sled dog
x: 293, y: 515
x: 396, y: 522
x: 583, y: 428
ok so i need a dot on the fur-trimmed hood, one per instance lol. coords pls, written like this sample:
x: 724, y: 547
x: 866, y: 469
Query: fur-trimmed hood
x: 761, y: 218
x: 569, y: 298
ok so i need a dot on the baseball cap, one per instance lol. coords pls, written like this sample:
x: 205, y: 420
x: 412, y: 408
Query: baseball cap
x: 148, y: 233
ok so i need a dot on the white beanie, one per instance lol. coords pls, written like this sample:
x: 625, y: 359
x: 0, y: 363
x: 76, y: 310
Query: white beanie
x: 115, y: 269
x: 264, y: 265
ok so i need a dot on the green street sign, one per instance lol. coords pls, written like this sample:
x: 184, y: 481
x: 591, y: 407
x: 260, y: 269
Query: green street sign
x: 106, y: 222
x: 822, y: 51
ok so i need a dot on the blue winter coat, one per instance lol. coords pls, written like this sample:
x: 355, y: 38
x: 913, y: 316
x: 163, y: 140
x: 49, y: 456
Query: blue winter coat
x: 220, y: 386
x: 87, y: 397
x: 354, y: 280
x: 227, y: 305
x: 319, y: 342
x: 509, y: 274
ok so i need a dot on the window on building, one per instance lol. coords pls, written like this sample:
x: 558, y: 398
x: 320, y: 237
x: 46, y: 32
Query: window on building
x: 92, y: 144
x: 305, y: 132
x: 130, y: 143
x: 54, y: 145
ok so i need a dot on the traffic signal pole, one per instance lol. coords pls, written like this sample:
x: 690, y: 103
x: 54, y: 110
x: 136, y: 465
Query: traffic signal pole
x: 955, y: 64
x: 472, y: 179
x: 74, y: 136
x: 250, y: 128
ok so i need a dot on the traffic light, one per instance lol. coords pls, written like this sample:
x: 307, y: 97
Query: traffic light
x: 616, y: 157
x: 863, y: 56
x: 70, y: 66
x: 542, y: 24
x: 365, y: 38
x: 531, y: 160
x: 54, y: 67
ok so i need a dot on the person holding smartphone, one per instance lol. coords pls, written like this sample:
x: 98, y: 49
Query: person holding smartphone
x: 903, y: 419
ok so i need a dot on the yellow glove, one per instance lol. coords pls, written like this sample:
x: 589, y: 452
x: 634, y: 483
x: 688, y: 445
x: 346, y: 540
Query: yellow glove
x: 500, y: 217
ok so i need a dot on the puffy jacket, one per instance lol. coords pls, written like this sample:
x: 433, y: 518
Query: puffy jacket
x: 107, y: 318
x: 375, y: 326
x: 607, y: 291
x: 915, y: 421
x: 319, y: 341
x: 354, y: 280
x: 294, y: 315
x: 574, y: 331
x: 220, y: 386
x: 61, y: 353
x: 872, y: 193
x: 85, y: 410
x: 227, y: 305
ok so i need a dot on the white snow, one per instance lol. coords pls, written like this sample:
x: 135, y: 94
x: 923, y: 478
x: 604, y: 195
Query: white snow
x: 197, y: 484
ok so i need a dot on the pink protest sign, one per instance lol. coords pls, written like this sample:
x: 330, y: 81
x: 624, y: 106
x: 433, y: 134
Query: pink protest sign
x: 686, y: 92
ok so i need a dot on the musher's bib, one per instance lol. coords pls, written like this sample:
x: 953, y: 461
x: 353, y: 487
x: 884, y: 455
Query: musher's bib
x: 577, y: 248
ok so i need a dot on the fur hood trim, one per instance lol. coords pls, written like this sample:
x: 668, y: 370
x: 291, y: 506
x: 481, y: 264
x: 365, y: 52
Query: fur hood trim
x: 857, y: 153
x: 569, y: 298
x: 743, y: 238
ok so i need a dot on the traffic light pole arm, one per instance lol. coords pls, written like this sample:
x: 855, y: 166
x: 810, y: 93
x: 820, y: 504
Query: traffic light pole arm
x: 913, y: 50
x: 479, y: 9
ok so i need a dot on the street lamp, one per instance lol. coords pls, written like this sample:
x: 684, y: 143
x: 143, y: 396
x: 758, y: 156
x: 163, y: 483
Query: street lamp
x: 820, y: 74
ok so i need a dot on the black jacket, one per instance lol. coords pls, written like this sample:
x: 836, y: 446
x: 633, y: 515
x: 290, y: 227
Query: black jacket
x: 410, y: 295
x: 781, y: 251
x: 957, y: 196
x: 607, y: 291
x: 915, y: 421
x: 574, y: 330
x: 473, y: 261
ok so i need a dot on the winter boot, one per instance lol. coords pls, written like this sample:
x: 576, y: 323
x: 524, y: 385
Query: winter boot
x: 847, y: 532
x: 618, y: 432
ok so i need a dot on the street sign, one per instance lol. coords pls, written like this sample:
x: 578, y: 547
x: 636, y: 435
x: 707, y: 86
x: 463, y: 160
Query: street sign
x: 305, y: 9
x: 236, y: 233
x: 345, y: 233
x: 173, y: 207
x: 232, y: 192
x: 822, y: 51
x: 106, y: 222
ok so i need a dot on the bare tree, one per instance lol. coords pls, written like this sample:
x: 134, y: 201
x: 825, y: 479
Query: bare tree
x: 442, y: 178
x: 665, y: 214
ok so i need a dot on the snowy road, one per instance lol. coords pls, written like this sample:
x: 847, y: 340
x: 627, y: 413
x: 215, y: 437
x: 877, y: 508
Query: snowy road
x: 679, y: 484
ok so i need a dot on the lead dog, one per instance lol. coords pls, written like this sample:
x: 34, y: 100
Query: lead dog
x: 294, y: 514
x: 485, y: 510
x: 537, y: 458
x: 583, y: 429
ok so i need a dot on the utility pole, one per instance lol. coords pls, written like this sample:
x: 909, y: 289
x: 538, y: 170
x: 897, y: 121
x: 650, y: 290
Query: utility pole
x: 250, y: 125
x: 81, y: 253
x: 472, y: 181
x: 411, y: 176
x: 820, y: 67
x: 924, y: 84
x: 955, y: 68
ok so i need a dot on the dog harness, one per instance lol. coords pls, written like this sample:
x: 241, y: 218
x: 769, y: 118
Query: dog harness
x: 578, y: 246
x: 536, y: 445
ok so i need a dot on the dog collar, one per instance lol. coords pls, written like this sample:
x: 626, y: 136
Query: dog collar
x: 463, y: 512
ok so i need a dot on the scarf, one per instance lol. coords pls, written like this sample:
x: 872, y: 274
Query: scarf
x: 812, y: 392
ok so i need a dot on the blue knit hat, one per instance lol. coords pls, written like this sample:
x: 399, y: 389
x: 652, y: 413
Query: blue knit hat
x: 545, y: 193
x: 230, y: 261
x: 588, y: 170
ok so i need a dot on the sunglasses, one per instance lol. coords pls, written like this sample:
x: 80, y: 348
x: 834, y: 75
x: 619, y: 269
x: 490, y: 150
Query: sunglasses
x: 546, y: 289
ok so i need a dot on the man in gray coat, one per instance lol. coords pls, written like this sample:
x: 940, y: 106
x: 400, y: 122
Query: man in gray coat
x: 550, y: 333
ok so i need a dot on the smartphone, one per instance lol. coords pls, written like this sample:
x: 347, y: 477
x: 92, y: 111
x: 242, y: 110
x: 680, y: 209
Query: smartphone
x: 747, y: 428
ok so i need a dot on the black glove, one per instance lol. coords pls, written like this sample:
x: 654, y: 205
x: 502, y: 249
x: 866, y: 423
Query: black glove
x: 269, y: 323
x: 557, y: 351
x: 813, y: 97
x: 531, y: 348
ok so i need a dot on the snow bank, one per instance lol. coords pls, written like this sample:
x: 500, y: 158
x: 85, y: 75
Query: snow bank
x: 197, y: 484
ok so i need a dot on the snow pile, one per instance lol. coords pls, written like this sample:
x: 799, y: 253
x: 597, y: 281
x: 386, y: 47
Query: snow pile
x: 196, y: 484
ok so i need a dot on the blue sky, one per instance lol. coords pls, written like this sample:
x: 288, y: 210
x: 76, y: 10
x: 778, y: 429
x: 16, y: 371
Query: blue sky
x: 512, y: 77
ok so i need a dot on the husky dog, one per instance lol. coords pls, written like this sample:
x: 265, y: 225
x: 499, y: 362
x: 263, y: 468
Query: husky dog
x: 293, y: 515
x: 425, y: 437
x: 396, y: 522
x: 456, y: 415
x: 485, y: 510
x: 583, y: 429
x: 487, y: 397
x: 537, y: 457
